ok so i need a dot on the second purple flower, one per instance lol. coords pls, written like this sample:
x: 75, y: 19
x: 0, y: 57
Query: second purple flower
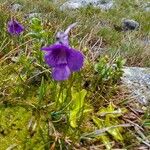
x: 14, y: 27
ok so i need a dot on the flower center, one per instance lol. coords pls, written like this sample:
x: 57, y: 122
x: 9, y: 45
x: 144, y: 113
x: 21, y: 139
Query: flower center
x: 61, y: 57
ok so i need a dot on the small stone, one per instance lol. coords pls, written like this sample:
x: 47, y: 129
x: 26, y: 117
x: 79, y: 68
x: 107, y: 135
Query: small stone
x: 33, y: 15
x: 16, y: 7
x: 128, y: 24
x: 147, y: 7
x: 144, y: 42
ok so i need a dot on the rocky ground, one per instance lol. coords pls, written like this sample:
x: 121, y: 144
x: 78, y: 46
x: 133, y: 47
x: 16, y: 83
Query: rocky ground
x: 106, y: 28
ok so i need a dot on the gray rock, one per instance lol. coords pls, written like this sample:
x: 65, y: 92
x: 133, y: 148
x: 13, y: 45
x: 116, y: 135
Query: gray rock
x: 105, y: 5
x: 75, y: 4
x: 16, y: 7
x: 129, y: 24
x: 138, y: 81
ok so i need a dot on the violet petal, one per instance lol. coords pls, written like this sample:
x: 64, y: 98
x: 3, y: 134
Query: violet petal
x: 61, y: 72
x: 75, y: 60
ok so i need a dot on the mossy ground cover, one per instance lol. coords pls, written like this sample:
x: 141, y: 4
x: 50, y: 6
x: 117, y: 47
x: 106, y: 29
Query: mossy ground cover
x: 91, y: 110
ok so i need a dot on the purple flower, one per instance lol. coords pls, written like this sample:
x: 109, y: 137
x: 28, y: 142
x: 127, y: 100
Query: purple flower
x: 14, y: 27
x: 62, y: 58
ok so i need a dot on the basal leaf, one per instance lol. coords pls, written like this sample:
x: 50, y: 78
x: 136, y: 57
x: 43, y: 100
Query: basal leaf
x: 78, y: 103
x: 105, y: 139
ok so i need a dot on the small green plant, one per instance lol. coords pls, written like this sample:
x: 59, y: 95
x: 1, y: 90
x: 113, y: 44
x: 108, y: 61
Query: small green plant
x: 108, y: 73
x: 36, y: 30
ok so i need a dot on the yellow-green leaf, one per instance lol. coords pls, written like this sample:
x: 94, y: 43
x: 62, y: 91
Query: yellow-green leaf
x: 78, y: 103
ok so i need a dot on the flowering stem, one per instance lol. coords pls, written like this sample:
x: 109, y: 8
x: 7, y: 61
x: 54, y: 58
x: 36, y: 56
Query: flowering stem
x: 59, y: 94
x: 68, y: 94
